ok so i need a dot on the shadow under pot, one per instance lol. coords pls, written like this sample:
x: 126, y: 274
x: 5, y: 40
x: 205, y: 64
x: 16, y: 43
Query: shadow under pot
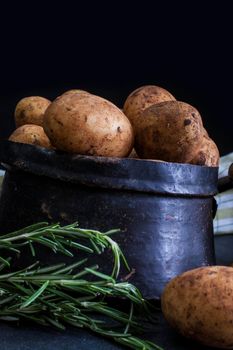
x: 164, y: 210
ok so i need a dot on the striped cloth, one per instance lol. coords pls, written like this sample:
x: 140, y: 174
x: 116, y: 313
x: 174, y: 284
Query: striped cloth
x: 223, y: 222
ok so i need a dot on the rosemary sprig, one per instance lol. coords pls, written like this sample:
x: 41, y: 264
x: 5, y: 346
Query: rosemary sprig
x: 63, y: 294
x: 62, y: 240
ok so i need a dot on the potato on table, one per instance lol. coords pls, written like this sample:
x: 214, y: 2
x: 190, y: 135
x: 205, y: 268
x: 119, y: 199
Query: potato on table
x: 199, y: 304
x: 142, y: 98
x: 30, y: 110
x: 171, y: 131
x: 31, y: 134
x: 89, y: 125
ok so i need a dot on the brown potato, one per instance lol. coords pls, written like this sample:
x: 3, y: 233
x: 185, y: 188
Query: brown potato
x: 142, y: 98
x: 31, y: 134
x: 199, y: 304
x: 171, y: 131
x: 208, y: 153
x: 88, y: 124
x: 75, y: 91
x: 30, y: 110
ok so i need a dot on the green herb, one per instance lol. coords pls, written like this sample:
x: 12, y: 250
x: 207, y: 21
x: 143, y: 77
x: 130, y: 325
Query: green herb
x: 63, y: 294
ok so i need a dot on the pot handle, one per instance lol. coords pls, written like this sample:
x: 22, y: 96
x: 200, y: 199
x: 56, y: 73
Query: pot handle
x: 226, y: 183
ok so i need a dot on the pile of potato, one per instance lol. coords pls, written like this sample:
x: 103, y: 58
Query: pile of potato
x: 152, y: 125
x: 76, y: 122
x: 169, y: 130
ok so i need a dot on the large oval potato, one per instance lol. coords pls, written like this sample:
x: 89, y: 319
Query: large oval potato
x: 30, y: 110
x: 171, y: 131
x: 88, y: 124
x: 142, y: 98
x: 199, y: 304
x: 208, y: 153
x: 31, y: 134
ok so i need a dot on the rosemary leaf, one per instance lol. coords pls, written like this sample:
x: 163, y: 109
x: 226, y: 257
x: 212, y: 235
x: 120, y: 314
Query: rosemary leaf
x: 57, y: 295
x: 35, y: 295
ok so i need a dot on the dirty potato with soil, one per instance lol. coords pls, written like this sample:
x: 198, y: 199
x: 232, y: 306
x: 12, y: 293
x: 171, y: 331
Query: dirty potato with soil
x: 199, y: 304
x: 171, y: 131
x: 31, y: 134
x: 88, y: 124
x: 30, y: 110
x: 142, y: 98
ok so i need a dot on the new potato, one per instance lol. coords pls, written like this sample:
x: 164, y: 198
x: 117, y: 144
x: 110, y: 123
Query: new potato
x: 171, y: 131
x: 30, y: 110
x: 31, y: 134
x: 199, y: 304
x: 142, y: 98
x: 89, y: 125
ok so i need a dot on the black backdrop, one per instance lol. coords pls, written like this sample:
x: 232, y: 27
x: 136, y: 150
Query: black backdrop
x: 110, y: 50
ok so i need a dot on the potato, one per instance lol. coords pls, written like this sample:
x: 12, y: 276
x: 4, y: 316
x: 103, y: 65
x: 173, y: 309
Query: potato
x: 199, y: 304
x: 30, y: 110
x: 88, y: 124
x: 75, y: 91
x: 171, y: 131
x: 208, y: 153
x: 31, y: 134
x: 142, y: 98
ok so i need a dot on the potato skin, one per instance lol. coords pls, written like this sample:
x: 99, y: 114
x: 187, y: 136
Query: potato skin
x: 30, y: 110
x: 199, y: 304
x: 89, y: 125
x: 171, y: 131
x: 31, y: 134
x: 208, y: 153
x: 142, y: 98
x: 75, y: 91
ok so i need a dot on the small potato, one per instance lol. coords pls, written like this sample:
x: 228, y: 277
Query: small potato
x: 171, y: 131
x: 142, y: 98
x: 88, y: 124
x: 199, y: 304
x: 208, y: 153
x: 31, y: 134
x: 30, y: 110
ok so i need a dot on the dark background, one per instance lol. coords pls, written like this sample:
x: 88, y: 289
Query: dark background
x: 110, y: 50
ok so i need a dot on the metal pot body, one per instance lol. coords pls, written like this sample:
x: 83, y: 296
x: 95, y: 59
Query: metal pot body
x: 163, y: 210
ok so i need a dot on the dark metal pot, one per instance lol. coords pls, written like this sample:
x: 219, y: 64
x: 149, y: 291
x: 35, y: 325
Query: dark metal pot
x: 164, y: 210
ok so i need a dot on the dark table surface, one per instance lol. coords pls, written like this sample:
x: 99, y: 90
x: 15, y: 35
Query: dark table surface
x: 27, y: 337
x: 36, y: 338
